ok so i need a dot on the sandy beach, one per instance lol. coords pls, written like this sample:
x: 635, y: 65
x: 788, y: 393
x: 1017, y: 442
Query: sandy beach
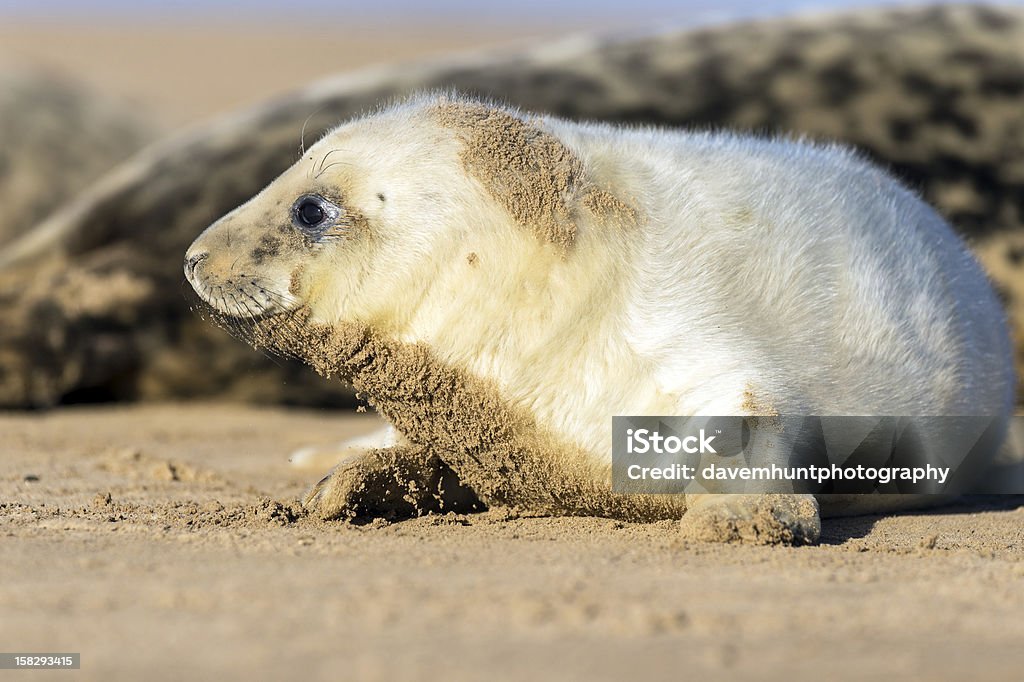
x: 166, y: 541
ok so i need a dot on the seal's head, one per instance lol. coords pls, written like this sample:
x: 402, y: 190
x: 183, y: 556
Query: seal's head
x: 362, y: 210
x: 440, y: 220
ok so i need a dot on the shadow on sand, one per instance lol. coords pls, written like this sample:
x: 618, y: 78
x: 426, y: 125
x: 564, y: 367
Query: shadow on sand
x: 836, y: 531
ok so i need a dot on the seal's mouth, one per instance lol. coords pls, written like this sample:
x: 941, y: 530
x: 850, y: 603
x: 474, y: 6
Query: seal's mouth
x: 239, y: 295
x: 255, y: 309
x: 221, y: 310
x: 329, y: 350
x: 243, y: 300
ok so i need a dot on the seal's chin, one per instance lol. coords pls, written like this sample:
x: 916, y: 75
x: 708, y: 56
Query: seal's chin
x: 252, y: 310
x: 270, y: 328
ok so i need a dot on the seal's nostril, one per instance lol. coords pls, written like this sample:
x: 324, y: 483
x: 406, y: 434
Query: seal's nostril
x: 192, y: 261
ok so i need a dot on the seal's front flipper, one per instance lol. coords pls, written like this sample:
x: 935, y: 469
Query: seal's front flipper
x: 391, y: 483
x: 760, y: 519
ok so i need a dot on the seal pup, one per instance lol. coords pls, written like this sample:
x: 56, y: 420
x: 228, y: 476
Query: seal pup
x: 499, y: 284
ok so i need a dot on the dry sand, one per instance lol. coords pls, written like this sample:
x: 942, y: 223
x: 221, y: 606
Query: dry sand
x: 198, y: 564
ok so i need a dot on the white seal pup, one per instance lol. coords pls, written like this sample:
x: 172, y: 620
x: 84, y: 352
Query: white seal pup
x: 499, y: 285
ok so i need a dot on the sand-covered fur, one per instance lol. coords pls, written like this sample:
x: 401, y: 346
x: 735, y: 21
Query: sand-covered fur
x: 499, y: 322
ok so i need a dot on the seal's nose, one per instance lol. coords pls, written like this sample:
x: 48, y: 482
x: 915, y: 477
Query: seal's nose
x: 192, y: 261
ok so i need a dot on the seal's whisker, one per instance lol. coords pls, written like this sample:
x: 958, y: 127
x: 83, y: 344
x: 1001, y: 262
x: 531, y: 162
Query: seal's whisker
x: 329, y: 166
x: 252, y: 325
x: 232, y: 321
x: 302, y: 133
x: 283, y: 301
x: 187, y: 292
x: 324, y: 160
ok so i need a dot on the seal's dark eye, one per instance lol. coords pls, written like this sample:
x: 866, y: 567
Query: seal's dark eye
x: 309, y: 212
x: 315, y: 216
